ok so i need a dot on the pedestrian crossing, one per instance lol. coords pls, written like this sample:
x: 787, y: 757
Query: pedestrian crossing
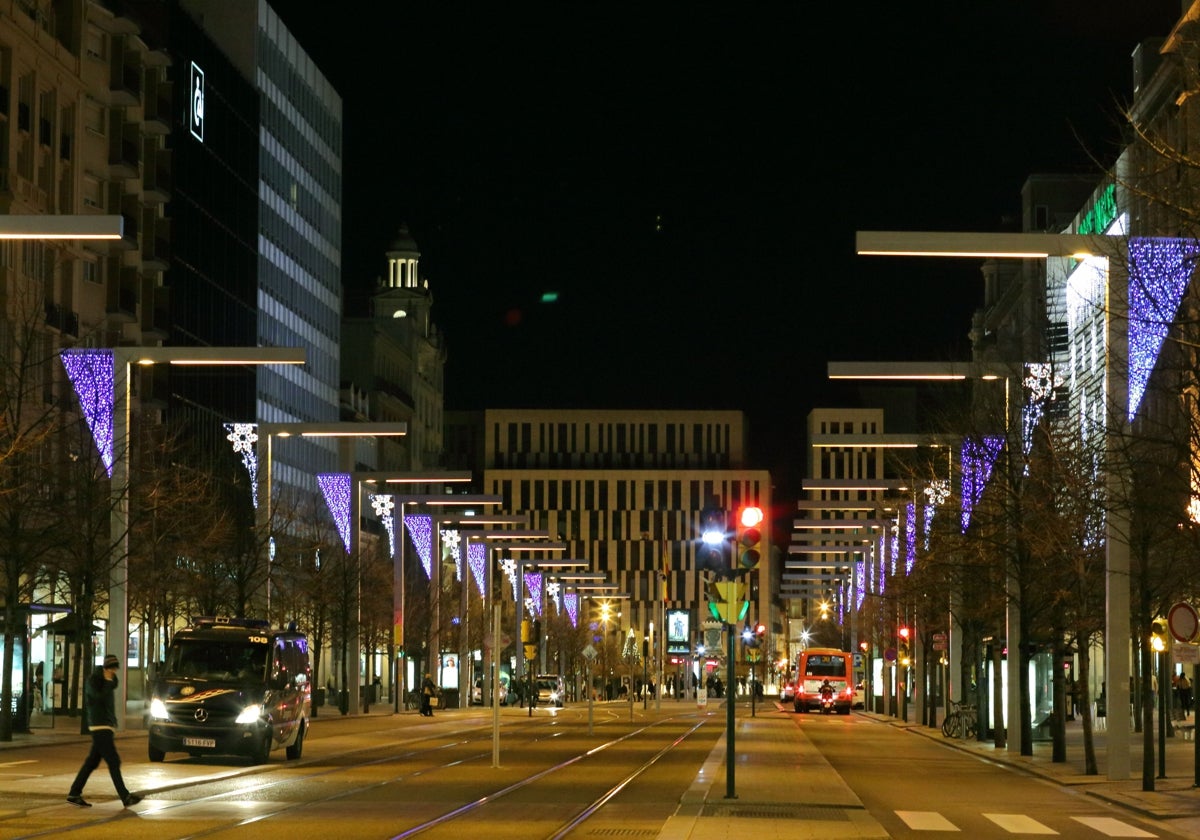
x: 1021, y: 824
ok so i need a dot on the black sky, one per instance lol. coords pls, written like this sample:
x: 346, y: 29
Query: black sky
x: 689, y: 180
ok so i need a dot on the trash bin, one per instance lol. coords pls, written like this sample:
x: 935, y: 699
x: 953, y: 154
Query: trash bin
x: 318, y: 698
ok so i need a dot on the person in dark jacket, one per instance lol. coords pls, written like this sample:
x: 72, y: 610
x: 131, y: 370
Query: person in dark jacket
x: 100, y: 715
x: 428, y: 691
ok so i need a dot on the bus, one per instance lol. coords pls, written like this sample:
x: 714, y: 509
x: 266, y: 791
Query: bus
x: 817, y: 665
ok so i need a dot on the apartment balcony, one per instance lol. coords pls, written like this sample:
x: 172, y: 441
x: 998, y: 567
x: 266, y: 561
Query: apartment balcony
x: 156, y: 312
x: 62, y: 319
x: 156, y: 245
x: 124, y: 77
x: 156, y: 179
x: 156, y: 113
x: 123, y: 291
x: 125, y: 154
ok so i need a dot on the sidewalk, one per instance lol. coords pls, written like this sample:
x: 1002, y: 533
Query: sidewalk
x: 1175, y: 796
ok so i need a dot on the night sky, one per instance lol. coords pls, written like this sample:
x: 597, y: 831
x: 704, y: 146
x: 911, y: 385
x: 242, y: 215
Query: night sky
x: 688, y: 180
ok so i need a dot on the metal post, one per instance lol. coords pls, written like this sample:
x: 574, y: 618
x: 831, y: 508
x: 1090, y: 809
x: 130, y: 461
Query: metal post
x: 730, y: 687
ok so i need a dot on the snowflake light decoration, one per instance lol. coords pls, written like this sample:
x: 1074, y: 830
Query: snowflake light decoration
x: 385, y: 511
x: 451, y: 544
x: 509, y: 567
x: 243, y: 436
x: 553, y: 590
x: 936, y: 494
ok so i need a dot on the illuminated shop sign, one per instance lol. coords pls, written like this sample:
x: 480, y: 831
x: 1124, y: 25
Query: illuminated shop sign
x: 196, y: 98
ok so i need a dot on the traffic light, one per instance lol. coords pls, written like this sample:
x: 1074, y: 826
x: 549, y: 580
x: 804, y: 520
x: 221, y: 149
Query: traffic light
x: 531, y: 637
x: 749, y: 536
x: 1158, y: 636
x: 760, y: 634
x: 713, y: 553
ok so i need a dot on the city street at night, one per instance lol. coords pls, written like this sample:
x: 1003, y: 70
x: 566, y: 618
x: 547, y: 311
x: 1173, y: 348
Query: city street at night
x: 660, y: 775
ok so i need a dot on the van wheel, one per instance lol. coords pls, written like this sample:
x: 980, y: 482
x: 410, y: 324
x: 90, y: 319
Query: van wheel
x: 155, y: 753
x: 297, y: 749
x: 262, y: 753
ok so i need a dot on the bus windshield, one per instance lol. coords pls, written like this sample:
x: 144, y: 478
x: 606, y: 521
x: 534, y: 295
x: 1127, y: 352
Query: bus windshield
x: 825, y: 665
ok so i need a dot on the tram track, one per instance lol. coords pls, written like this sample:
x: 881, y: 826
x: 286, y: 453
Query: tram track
x: 430, y: 761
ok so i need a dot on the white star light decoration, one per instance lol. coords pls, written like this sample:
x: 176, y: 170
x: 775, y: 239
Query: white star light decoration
x: 384, y: 507
x: 509, y: 567
x: 244, y: 436
x: 553, y: 588
x: 452, y: 543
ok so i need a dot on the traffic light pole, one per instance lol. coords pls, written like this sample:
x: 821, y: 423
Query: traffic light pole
x: 730, y: 695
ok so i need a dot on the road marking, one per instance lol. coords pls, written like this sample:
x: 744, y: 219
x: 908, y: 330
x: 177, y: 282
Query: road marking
x: 15, y: 763
x: 926, y: 821
x: 1019, y: 824
x: 1112, y: 828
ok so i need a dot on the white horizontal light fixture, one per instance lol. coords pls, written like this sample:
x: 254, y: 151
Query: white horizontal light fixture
x: 31, y: 226
x: 920, y: 371
x: 891, y: 243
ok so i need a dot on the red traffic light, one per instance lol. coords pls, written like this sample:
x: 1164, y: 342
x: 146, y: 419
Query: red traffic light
x: 903, y: 632
x: 750, y: 517
x: 749, y: 536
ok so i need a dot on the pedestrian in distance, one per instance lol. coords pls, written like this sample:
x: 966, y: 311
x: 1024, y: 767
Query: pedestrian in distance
x: 428, y: 689
x: 100, y: 716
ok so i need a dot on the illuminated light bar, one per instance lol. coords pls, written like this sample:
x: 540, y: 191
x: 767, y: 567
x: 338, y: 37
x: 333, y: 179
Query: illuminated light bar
x: 924, y: 371
x: 215, y: 355
x: 890, y: 243
x: 30, y: 226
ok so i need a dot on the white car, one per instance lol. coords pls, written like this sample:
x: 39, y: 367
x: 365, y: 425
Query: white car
x: 860, y: 697
x: 787, y: 692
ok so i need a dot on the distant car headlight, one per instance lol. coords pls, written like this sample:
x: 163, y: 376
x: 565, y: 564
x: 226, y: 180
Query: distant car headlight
x: 158, y: 709
x: 250, y: 714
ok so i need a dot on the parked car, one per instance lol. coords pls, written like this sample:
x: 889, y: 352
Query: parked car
x: 860, y: 696
x: 787, y: 692
x: 477, y: 693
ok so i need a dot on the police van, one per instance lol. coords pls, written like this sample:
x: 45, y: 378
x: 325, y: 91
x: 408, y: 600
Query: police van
x: 232, y: 686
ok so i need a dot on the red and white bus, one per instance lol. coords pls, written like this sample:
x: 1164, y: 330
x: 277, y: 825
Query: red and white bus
x: 817, y: 665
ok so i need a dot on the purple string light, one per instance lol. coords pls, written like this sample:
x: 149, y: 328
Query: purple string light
x: 533, y: 582
x: 978, y: 458
x: 477, y: 560
x: 571, y: 605
x: 92, y: 376
x: 1159, y: 270
x: 420, y: 531
x: 336, y: 489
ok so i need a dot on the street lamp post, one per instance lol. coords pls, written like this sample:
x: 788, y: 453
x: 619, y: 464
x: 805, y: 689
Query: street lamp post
x: 88, y: 370
x: 502, y: 538
x: 399, y: 572
x: 1111, y: 250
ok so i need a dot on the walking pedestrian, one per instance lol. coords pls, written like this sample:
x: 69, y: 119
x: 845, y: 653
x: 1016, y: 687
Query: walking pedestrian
x: 428, y: 689
x: 100, y: 715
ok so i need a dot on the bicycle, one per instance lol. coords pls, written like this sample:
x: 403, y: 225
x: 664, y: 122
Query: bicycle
x: 961, y: 722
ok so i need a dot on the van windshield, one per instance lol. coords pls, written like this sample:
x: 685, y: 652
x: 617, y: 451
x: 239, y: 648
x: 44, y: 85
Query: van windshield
x: 204, y: 659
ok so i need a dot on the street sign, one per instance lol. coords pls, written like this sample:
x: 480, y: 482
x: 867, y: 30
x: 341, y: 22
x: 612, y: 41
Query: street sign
x: 589, y: 653
x: 1186, y: 654
x: 940, y: 637
x: 939, y: 645
x: 1183, y: 622
x: 890, y: 654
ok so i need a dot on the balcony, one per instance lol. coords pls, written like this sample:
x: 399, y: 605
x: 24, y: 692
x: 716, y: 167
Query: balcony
x: 124, y: 154
x: 122, y: 296
x: 157, y: 111
x: 62, y: 319
x: 156, y: 179
x: 156, y: 312
x: 125, y: 77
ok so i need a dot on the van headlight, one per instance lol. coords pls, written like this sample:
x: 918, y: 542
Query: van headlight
x: 158, y: 709
x: 250, y: 714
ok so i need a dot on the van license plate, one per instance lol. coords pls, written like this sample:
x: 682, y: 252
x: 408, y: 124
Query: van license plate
x: 210, y: 743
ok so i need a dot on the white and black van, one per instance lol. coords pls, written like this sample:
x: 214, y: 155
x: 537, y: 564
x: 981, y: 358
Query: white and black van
x: 231, y: 686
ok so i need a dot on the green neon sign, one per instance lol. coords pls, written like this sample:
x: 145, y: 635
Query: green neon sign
x: 1103, y: 212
